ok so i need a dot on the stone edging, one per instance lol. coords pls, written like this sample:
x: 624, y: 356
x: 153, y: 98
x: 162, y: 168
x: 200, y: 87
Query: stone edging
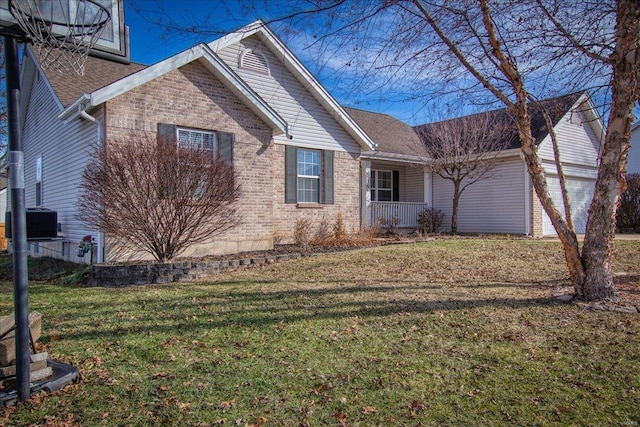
x: 183, y: 271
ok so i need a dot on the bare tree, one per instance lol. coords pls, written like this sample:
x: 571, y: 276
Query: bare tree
x: 466, y: 150
x: 158, y: 197
x: 511, y: 52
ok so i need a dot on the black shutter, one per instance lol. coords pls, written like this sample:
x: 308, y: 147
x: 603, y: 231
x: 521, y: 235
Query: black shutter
x: 327, y: 177
x: 291, y: 174
x: 166, y: 133
x: 225, y: 146
x: 396, y: 186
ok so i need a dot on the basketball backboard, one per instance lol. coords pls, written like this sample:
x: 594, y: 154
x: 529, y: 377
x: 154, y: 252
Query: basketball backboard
x: 114, y: 40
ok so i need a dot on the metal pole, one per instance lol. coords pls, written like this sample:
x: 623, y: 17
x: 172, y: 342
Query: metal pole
x: 18, y: 220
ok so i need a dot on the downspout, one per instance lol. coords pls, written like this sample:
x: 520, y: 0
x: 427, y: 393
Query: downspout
x: 99, y: 135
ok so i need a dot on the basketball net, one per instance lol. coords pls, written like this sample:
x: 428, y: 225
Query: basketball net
x: 62, y: 32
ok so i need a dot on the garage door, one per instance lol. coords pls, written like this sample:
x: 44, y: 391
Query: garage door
x: 580, y: 194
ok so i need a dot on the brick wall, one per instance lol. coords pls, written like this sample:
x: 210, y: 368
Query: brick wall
x: 192, y: 97
x: 346, y: 197
x: 537, y: 215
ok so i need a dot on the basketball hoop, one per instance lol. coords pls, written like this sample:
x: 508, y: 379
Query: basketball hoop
x: 62, y: 32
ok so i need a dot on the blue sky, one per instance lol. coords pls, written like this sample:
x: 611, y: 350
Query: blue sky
x: 152, y: 42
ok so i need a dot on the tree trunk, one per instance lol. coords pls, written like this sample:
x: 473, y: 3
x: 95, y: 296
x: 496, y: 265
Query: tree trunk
x: 454, y: 210
x: 599, y: 240
x: 536, y: 172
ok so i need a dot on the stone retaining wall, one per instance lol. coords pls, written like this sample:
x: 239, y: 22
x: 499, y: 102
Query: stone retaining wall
x: 155, y: 273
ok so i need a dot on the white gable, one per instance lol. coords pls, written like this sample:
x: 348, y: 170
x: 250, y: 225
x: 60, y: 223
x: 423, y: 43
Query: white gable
x: 310, y: 124
x: 578, y: 141
x: 316, y: 120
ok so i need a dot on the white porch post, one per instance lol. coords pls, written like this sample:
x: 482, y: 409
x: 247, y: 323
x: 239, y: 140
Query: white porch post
x: 365, y: 194
x: 428, y: 193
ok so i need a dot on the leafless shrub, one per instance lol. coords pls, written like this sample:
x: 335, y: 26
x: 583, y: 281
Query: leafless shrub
x: 157, y: 197
x: 628, y: 214
x: 339, y: 229
x: 302, y: 232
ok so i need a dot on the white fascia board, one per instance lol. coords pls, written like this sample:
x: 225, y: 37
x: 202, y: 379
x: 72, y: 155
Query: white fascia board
x: 40, y: 71
x: 591, y: 113
x: 145, y: 75
x: 301, y: 73
x: 201, y: 51
x: 393, y: 157
x: 236, y: 36
x: 379, y: 155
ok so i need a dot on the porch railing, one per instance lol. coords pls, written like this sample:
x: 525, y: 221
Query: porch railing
x: 404, y: 214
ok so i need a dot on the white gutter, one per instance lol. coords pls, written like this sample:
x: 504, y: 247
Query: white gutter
x: 76, y: 108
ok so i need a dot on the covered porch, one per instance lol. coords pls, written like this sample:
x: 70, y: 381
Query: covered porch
x: 394, y: 193
x: 398, y: 214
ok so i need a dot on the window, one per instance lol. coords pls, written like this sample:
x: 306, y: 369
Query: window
x: 385, y: 186
x: 203, y: 140
x: 381, y: 186
x: 308, y: 162
x: 216, y: 141
x: 219, y: 143
x: 308, y: 175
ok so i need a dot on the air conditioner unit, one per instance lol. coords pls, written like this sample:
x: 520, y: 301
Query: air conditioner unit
x: 42, y: 224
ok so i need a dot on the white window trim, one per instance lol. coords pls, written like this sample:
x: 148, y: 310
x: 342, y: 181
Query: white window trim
x: 197, y: 131
x: 316, y: 177
x: 377, y: 180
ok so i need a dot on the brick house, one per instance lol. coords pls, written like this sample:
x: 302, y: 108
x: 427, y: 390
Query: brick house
x: 248, y: 89
x: 248, y: 85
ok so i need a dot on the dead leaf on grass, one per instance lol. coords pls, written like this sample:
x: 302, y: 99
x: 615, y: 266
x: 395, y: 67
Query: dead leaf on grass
x: 417, y: 406
x: 341, y: 417
x: 369, y: 410
x: 225, y: 406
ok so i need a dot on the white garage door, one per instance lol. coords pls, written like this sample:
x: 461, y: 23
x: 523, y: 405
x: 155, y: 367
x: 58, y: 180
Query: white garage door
x: 580, y: 194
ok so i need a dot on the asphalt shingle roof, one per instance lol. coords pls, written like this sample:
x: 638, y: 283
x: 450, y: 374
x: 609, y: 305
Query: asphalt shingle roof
x: 556, y: 108
x: 98, y: 73
x: 391, y: 134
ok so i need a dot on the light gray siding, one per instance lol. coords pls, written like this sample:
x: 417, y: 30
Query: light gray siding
x: 578, y: 143
x: 414, y: 184
x: 311, y: 125
x: 495, y: 205
x: 63, y: 148
x: 579, y: 152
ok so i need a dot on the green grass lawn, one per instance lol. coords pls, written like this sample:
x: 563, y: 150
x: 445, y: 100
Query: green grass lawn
x: 450, y: 332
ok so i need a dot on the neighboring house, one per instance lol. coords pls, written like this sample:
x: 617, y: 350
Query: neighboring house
x: 506, y: 202
x: 633, y: 161
x: 248, y: 84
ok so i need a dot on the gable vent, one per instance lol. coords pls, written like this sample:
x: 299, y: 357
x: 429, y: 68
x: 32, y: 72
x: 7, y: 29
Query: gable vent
x: 254, y: 60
